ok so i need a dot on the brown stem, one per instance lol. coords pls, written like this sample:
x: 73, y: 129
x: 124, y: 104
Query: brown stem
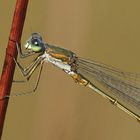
x: 11, y: 52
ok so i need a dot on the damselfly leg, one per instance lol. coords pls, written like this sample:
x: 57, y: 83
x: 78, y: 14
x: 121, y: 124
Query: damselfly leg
x: 22, y: 55
x: 28, y: 71
x: 32, y: 91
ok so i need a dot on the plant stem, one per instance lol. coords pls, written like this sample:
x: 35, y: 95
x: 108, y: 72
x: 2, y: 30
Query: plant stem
x: 11, y: 52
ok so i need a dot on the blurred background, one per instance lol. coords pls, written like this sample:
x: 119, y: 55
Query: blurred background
x: 106, y: 31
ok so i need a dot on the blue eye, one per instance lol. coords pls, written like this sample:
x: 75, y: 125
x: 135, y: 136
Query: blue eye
x: 35, y: 42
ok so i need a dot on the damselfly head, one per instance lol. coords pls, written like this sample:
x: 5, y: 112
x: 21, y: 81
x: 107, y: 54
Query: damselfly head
x: 35, y: 43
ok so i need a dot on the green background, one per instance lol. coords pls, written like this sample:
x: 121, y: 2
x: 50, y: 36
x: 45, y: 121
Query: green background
x: 107, y: 31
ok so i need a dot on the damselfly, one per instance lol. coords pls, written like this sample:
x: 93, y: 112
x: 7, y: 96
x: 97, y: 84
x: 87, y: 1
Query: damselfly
x: 123, y: 86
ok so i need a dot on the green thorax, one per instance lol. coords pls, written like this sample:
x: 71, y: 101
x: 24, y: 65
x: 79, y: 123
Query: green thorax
x: 59, y: 53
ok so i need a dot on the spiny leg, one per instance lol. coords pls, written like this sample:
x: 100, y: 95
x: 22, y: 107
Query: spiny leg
x: 22, y: 55
x: 27, y: 72
x: 35, y: 86
x: 30, y: 71
x: 38, y: 77
x: 23, y: 69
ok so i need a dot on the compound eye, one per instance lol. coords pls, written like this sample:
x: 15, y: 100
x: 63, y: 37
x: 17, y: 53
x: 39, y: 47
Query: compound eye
x: 35, y: 42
